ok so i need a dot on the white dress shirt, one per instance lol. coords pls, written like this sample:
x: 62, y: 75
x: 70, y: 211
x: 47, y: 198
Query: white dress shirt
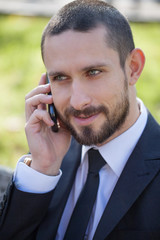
x: 115, y: 153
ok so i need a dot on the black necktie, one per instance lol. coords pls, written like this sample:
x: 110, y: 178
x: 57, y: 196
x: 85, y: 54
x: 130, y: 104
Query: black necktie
x: 83, y: 209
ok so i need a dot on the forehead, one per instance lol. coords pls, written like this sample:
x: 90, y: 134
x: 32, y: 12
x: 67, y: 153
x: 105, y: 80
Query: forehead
x: 77, y: 38
x: 74, y: 46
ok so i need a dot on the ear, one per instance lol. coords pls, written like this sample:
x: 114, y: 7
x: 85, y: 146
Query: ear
x: 135, y: 64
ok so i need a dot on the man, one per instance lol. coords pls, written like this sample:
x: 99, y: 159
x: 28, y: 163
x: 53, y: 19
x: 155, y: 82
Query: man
x: 93, y: 66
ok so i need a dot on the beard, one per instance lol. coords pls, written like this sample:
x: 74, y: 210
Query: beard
x: 114, y: 119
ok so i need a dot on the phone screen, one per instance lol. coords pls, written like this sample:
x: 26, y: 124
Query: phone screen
x: 52, y: 111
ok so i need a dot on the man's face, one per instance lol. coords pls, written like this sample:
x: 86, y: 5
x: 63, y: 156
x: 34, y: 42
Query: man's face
x: 89, y: 87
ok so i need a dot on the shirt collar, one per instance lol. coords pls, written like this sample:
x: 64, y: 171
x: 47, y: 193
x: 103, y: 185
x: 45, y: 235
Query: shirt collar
x: 117, y: 151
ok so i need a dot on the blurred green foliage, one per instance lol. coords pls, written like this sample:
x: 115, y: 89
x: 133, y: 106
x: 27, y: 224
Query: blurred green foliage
x: 21, y: 67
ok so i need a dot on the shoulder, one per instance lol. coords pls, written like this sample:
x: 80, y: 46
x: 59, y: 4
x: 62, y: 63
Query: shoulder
x: 149, y: 142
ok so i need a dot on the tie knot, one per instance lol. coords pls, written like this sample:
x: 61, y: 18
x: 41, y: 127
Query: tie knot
x: 96, y: 161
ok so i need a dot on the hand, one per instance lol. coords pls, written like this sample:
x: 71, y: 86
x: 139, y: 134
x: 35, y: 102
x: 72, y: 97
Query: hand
x: 47, y: 148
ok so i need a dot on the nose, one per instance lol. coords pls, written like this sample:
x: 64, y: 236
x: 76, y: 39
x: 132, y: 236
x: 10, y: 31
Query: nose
x: 80, y: 97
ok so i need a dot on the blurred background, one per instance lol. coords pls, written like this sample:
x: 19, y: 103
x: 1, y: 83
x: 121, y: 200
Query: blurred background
x: 21, y: 26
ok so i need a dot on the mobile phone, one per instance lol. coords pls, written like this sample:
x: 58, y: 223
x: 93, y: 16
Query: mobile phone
x: 52, y: 111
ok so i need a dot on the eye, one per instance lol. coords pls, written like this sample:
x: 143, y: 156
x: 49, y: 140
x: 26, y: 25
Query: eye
x: 93, y: 72
x: 60, y: 78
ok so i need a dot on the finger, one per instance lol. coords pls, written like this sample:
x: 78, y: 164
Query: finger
x: 33, y: 103
x: 41, y: 89
x: 38, y: 119
x: 43, y: 79
x: 42, y: 106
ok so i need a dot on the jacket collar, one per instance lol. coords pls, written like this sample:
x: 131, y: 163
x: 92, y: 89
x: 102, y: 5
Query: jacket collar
x: 141, y: 168
x: 139, y: 171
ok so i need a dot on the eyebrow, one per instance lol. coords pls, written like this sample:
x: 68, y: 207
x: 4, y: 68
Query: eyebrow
x: 99, y: 65
x: 52, y: 73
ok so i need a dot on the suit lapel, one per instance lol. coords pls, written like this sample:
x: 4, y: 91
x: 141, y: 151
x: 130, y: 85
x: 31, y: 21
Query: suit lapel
x: 139, y: 171
x: 69, y: 167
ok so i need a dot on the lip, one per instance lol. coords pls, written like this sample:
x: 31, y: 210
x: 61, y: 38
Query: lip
x: 83, y: 121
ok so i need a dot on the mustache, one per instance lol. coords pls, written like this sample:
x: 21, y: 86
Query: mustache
x: 86, y: 112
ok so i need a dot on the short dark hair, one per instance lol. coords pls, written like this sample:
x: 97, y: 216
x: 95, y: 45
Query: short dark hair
x: 84, y: 15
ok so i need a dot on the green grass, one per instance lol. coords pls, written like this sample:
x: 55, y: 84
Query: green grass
x: 21, y: 67
x: 147, y: 37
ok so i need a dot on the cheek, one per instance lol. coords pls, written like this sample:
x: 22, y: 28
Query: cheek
x: 109, y: 95
x: 106, y: 93
x: 60, y: 98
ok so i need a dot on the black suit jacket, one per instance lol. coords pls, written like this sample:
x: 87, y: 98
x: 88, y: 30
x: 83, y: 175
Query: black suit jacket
x: 132, y: 213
